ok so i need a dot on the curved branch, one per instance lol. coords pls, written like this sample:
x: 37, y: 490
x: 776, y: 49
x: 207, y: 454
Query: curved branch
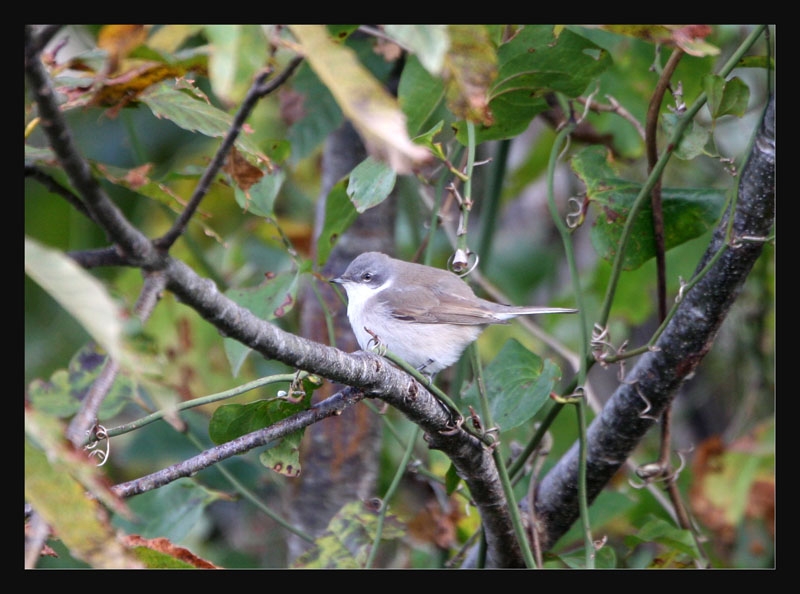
x: 688, y: 337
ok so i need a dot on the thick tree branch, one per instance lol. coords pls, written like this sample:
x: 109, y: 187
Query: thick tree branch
x: 652, y: 383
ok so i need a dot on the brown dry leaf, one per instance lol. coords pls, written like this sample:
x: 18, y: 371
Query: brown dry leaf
x: 138, y: 176
x: 433, y: 525
x: 121, y: 90
x: 719, y: 498
x: 690, y: 38
x: 244, y: 173
x: 163, y: 545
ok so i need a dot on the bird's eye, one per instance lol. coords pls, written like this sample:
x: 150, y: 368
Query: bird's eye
x: 366, y: 277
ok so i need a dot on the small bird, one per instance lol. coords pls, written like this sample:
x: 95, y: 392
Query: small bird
x: 427, y: 316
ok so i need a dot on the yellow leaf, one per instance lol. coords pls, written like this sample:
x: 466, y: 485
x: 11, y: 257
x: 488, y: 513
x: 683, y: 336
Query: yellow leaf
x: 57, y: 478
x: 119, y: 41
x: 470, y: 68
x: 364, y: 101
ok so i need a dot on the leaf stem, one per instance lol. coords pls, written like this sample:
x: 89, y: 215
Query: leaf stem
x: 502, y: 470
x: 401, y: 470
x: 580, y: 380
x: 151, y: 418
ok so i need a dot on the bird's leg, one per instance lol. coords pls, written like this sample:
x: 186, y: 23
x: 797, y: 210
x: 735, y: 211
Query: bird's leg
x: 422, y: 367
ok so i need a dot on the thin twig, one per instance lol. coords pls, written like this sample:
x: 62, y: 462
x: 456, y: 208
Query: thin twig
x: 258, y: 89
x: 651, y: 127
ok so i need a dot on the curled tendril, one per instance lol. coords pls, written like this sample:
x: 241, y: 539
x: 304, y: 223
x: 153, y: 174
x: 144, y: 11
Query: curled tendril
x: 602, y: 349
x: 576, y: 215
x: 476, y: 420
x: 460, y: 257
x: 598, y: 341
x: 680, y: 104
x: 729, y: 165
x: 100, y: 434
x: 643, y: 414
x: 658, y: 471
x: 454, y: 428
x: 297, y: 391
x: 588, y: 104
x: 577, y: 395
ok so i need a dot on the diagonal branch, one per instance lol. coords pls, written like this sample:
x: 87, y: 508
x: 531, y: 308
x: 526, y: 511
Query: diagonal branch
x: 258, y: 89
x: 652, y: 383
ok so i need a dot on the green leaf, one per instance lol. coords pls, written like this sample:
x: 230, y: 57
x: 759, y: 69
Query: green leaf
x: 518, y: 383
x: 320, y: 118
x: 60, y: 498
x: 726, y: 97
x: 370, y: 183
x: 532, y: 64
x: 427, y: 139
x: 341, y: 32
x: 688, y: 213
x: 239, y: 52
x: 259, y: 199
x: 195, y: 115
x: 273, y: 298
x: 664, y: 533
x: 348, y: 539
x: 284, y: 457
x: 470, y: 69
x: 339, y: 215
x: 604, y: 558
x: 153, y: 559
x: 693, y: 141
x: 64, y: 392
x: 230, y: 421
x: 428, y: 42
x: 421, y: 96
x: 82, y: 295
x: 451, y: 479
x: 171, y: 511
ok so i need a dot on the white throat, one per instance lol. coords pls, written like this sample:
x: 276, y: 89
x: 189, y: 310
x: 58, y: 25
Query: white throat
x: 358, y: 295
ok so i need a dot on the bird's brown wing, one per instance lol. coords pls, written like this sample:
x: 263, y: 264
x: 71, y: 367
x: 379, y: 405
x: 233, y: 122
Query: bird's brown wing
x: 432, y: 306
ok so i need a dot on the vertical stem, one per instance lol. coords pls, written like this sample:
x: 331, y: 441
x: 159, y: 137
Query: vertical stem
x: 502, y: 471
